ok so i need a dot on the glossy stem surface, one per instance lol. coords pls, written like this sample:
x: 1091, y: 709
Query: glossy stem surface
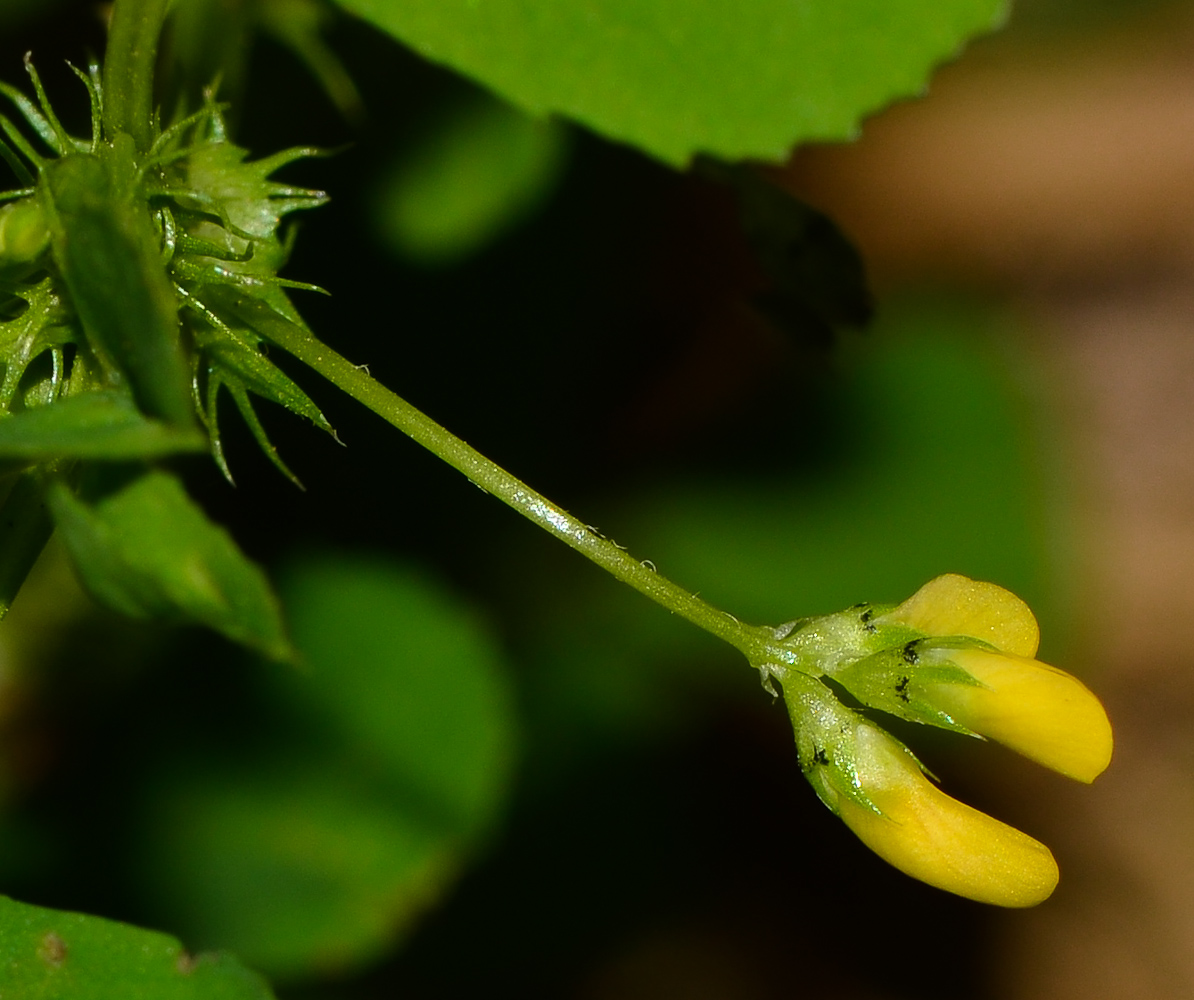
x: 759, y: 644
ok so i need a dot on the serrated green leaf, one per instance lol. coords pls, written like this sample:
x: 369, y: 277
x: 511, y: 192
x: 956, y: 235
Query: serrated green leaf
x: 680, y: 77
x: 103, y: 243
x: 148, y: 551
x: 54, y: 955
x: 104, y: 425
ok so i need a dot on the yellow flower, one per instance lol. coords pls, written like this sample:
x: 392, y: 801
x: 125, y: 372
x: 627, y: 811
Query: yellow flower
x: 958, y: 654
x: 956, y: 605
x: 930, y: 836
x: 1037, y: 710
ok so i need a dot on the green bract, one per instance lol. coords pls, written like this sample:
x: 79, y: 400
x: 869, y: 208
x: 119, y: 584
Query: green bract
x: 136, y: 278
x: 113, y: 254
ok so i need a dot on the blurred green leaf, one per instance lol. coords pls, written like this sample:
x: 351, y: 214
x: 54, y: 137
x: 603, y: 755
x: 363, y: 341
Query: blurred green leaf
x: 679, y: 77
x: 317, y: 859
x: 52, y: 955
x: 25, y: 527
x: 92, y: 425
x: 485, y: 168
x: 148, y: 551
x: 304, y: 870
x: 411, y: 678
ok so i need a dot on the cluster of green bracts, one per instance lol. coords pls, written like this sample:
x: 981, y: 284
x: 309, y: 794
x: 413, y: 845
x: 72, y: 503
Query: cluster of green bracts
x: 958, y: 654
x: 138, y: 279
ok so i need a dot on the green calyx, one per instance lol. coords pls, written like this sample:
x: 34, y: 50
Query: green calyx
x: 901, y: 681
x: 822, y: 645
x: 883, y: 665
x: 117, y: 260
x: 827, y: 741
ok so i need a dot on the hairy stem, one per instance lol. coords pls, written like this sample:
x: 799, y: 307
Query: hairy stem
x: 129, y: 68
x: 758, y: 644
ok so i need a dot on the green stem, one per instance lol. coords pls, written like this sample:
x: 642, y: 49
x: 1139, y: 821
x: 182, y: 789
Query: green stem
x: 129, y: 65
x: 758, y: 644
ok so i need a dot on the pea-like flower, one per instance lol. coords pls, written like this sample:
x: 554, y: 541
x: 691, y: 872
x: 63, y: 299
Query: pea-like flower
x: 958, y: 654
x: 1036, y: 710
x: 937, y: 839
x: 993, y: 688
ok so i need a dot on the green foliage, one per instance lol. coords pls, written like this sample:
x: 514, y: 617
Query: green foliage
x: 93, y: 425
x: 147, y: 550
x: 315, y: 858
x: 115, y: 235
x: 52, y: 955
x: 681, y: 77
x: 109, y: 257
x: 407, y: 671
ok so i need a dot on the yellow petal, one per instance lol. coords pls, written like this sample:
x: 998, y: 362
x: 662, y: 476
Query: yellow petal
x: 1039, y: 711
x: 957, y: 605
x: 939, y: 840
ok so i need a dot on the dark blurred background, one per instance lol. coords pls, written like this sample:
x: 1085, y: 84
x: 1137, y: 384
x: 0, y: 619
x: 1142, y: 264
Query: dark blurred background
x: 1018, y: 410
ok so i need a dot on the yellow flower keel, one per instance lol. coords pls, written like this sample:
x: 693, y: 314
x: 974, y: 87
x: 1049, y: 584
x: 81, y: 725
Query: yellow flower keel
x: 1039, y: 711
x: 937, y: 839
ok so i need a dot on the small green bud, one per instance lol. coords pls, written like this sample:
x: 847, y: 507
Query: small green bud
x: 24, y: 236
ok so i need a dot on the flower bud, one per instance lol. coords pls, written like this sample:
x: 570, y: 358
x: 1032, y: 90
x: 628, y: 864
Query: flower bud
x: 878, y: 788
x: 971, y: 671
x: 956, y: 605
x: 919, y: 829
x: 1035, y: 709
x: 24, y: 236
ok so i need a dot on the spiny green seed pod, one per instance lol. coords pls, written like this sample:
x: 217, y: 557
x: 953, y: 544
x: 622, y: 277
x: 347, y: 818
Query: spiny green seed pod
x: 136, y: 242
